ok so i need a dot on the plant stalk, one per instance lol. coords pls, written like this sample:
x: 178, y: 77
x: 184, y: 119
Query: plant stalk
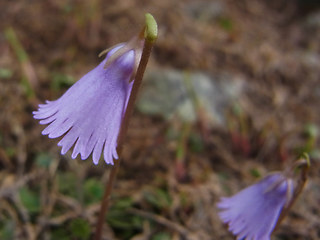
x: 122, y: 134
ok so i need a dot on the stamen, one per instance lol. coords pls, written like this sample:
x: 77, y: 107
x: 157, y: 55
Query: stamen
x: 109, y: 49
x: 131, y: 45
x: 274, y: 185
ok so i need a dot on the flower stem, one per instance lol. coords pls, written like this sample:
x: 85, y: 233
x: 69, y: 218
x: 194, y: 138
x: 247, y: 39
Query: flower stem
x: 147, y: 47
x: 304, y: 165
x: 105, y: 200
x: 134, y: 92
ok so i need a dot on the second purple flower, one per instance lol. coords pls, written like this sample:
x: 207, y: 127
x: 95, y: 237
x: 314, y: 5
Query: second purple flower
x: 253, y: 212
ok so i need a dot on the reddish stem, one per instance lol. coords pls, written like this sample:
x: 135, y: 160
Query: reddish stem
x: 123, y: 131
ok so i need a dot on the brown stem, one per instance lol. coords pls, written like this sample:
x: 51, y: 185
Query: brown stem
x: 105, y: 200
x: 123, y: 131
x: 304, y: 164
x: 147, y: 47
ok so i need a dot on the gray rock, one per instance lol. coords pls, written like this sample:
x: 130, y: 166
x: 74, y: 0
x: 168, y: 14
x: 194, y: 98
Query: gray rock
x: 171, y: 93
x: 205, y: 11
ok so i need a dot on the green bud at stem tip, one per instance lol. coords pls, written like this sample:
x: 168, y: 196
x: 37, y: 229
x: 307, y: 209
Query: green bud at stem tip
x: 151, y: 30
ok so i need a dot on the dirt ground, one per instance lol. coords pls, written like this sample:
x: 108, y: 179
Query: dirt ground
x: 172, y: 172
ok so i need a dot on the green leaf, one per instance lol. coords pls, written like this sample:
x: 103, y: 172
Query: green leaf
x: 196, y: 143
x: 161, y: 236
x: 125, y: 224
x: 43, y: 160
x: 93, y: 191
x: 255, y: 173
x: 7, y: 230
x: 80, y: 229
x: 60, y: 234
x: 60, y: 81
x: 5, y: 73
x: 226, y: 23
x: 67, y: 184
x: 10, y: 151
x: 159, y: 198
x: 123, y: 203
x: 29, y: 199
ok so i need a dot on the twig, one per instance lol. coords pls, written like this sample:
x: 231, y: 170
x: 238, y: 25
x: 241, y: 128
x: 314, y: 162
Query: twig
x: 161, y: 220
x: 9, y: 191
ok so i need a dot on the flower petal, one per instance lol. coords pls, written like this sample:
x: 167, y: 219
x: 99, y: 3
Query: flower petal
x: 89, y: 113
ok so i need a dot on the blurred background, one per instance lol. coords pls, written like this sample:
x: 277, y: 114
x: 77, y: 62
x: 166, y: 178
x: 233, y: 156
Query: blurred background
x: 232, y: 92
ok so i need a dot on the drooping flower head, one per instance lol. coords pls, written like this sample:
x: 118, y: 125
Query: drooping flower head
x: 89, y: 114
x: 253, y: 212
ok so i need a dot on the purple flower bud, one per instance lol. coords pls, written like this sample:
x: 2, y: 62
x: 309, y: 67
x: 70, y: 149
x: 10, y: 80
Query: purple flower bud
x: 253, y: 212
x: 89, y: 114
